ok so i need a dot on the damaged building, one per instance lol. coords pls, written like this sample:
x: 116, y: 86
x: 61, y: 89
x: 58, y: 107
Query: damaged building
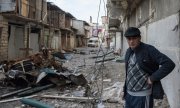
x: 159, y: 23
x: 21, y: 23
x: 27, y: 26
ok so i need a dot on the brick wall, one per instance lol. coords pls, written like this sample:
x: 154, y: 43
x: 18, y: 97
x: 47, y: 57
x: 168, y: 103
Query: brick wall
x: 3, y: 39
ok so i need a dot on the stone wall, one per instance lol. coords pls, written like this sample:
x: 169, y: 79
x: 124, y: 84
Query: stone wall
x: 3, y: 39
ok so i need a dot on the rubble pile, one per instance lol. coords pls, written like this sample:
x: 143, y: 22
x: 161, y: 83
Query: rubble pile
x: 35, y: 73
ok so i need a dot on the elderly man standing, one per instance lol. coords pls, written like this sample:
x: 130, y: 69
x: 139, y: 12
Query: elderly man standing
x: 145, y: 67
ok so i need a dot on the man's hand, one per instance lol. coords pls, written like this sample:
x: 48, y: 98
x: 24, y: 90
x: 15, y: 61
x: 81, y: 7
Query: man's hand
x: 149, y: 81
x: 122, y: 95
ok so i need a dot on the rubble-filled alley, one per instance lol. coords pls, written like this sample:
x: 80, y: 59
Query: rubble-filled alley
x: 82, y: 78
x: 50, y: 58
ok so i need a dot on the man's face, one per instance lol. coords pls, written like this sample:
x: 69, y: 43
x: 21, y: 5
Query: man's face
x: 133, y: 41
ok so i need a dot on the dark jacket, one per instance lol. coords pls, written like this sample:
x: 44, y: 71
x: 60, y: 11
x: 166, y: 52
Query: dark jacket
x: 155, y: 63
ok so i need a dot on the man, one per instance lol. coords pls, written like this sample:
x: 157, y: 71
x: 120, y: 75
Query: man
x: 145, y: 67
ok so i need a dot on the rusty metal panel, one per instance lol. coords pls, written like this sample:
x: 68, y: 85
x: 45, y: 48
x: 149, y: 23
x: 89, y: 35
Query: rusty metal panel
x: 16, y: 41
x: 7, y: 5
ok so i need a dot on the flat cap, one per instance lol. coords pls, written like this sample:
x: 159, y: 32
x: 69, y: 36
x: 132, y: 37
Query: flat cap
x: 132, y: 32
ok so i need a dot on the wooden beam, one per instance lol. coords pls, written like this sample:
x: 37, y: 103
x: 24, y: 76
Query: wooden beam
x: 16, y: 99
x: 69, y: 98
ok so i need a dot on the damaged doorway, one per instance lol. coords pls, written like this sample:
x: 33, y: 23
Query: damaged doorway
x: 16, y: 41
x: 34, y: 40
x: 56, y: 41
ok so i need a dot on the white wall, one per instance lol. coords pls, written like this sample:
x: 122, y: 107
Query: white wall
x: 79, y: 25
x: 7, y: 5
x: 164, y: 35
x: 118, y: 40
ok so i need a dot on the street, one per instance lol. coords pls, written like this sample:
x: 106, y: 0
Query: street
x: 105, y: 83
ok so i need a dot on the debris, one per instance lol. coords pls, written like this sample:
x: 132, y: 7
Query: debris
x: 60, y: 55
x: 44, y: 72
x: 102, y: 55
x: 109, y: 59
x: 107, y: 80
x: 60, y: 78
x: 78, y: 79
x: 15, y: 99
x: 119, y: 59
x: 2, y: 71
x: 83, y: 52
x: 100, y: 105
x: 37, y: 59
x: 2, y: 68
x: 79, y: 93
x: 17, y: 78
x: 41, y: 76
x: 14, y: 92
x: 35, y: 103
x: 112, y: 94
x: 14, y: 73
x: 34, y: 90
x: 23, y: 65
x: 69, y: 98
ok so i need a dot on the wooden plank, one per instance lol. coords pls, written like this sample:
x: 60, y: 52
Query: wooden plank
x: 14, y: 92
x: 16, y: 99
x: 24, y: 8
x: 69, y: 98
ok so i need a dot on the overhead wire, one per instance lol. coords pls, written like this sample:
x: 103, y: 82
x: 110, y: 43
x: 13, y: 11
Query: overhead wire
x: 100, y: 70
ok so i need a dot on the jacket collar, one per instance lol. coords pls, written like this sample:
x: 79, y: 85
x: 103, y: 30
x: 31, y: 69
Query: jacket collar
x: 137, y: 48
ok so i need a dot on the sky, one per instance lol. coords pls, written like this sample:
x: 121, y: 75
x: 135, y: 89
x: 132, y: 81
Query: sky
x: 83, y: 9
